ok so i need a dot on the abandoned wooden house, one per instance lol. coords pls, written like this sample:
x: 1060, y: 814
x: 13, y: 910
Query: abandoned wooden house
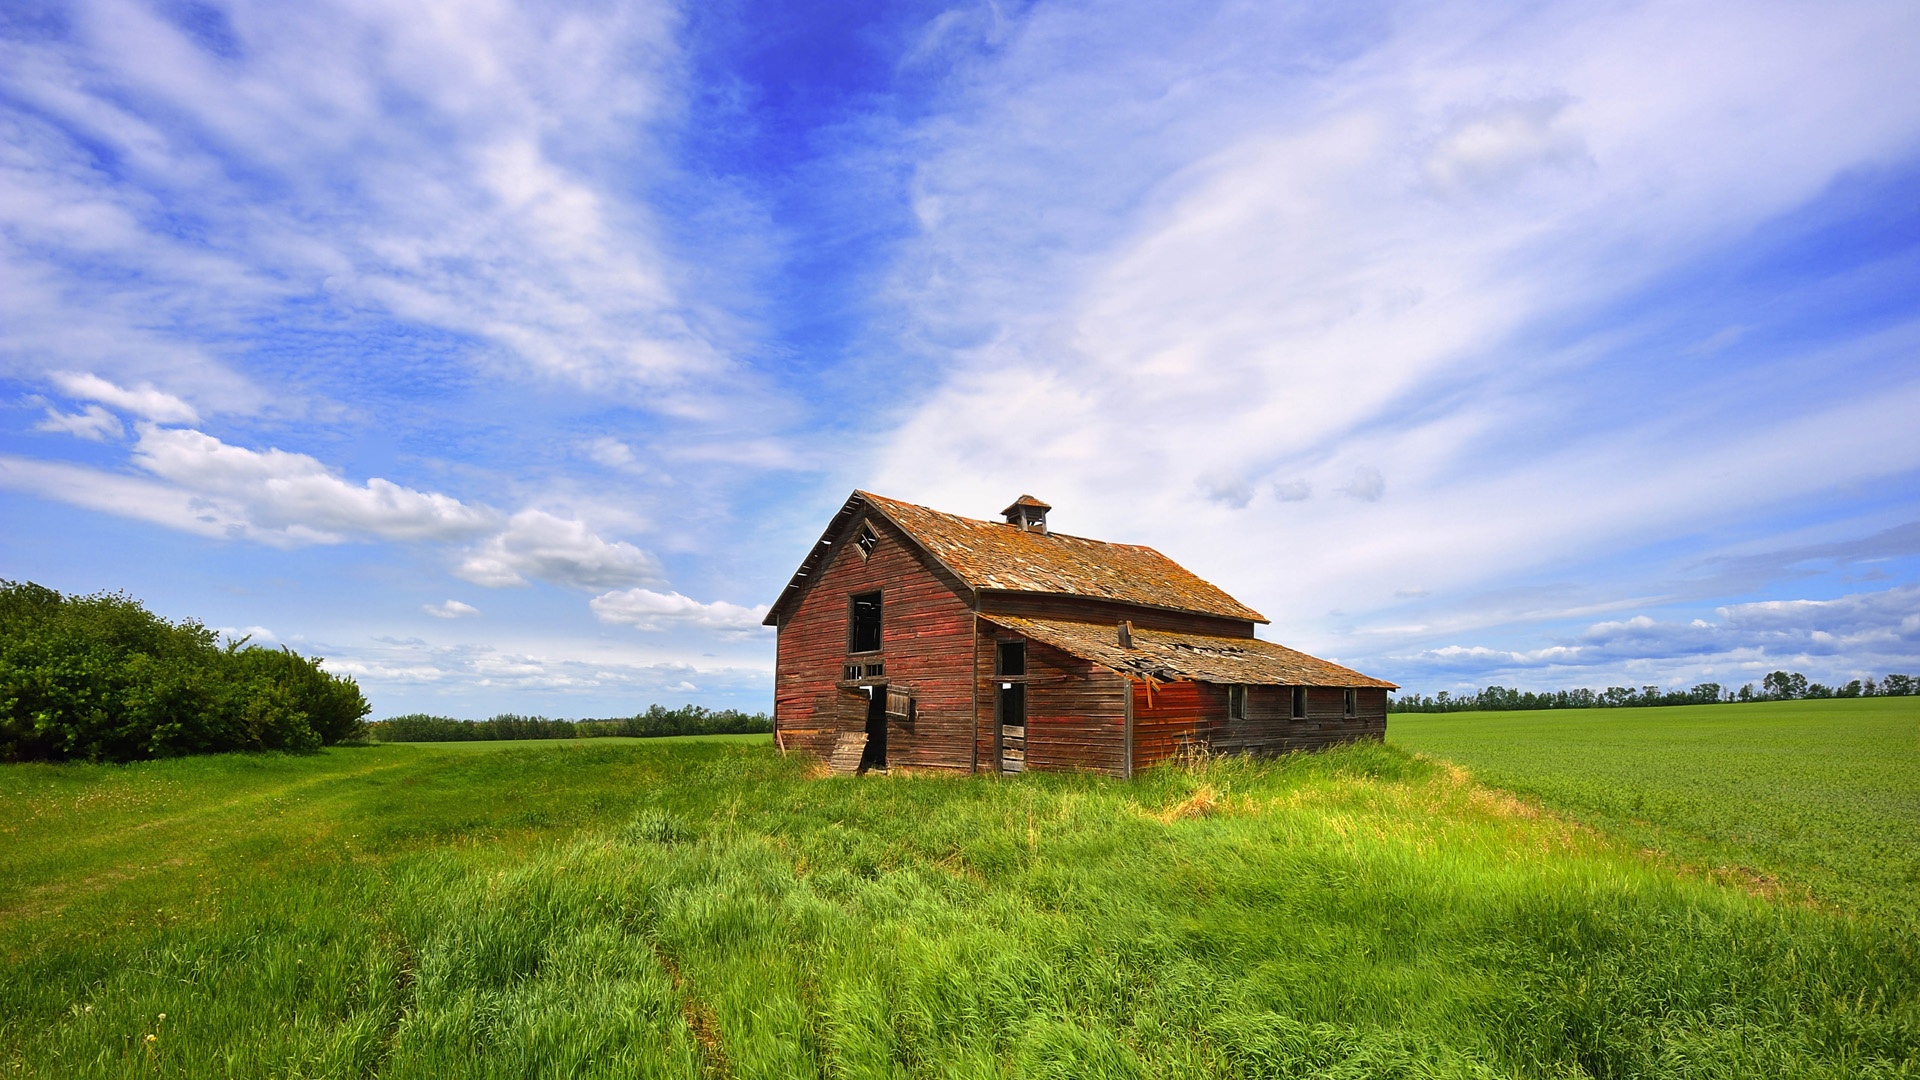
x: 911, y: 637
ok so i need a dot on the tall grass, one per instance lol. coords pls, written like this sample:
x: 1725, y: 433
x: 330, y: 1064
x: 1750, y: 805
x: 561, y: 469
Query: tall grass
x: 714, y: 910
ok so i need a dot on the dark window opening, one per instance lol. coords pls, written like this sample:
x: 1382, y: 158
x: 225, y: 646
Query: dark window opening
x: 863, y: 623
x: 850, y: 672
x: 1236, y: 703
x: 1011, y: 658
x: 1013, y: 705
x: 1350, y: 704
x: 1299, y: 703
x: 875, y: 671
x: 867, y: 541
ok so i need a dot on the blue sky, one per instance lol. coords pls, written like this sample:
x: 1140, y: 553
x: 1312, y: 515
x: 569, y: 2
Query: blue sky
x: 511, y: 357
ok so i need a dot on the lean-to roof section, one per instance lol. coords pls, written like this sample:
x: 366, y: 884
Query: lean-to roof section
x: 996, y: 555
x: 1168, y: 656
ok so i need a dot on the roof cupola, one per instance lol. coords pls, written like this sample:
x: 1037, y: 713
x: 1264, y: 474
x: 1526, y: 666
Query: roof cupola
x: 1029, y: 513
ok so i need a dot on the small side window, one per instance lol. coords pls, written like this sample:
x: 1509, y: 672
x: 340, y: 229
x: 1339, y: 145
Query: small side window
x: 1350, y: 704
x: 1299, y: 703
x: 1236, y: 702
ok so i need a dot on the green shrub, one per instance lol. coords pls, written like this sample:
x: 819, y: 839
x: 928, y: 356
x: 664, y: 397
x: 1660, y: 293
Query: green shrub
x: 102, y: 678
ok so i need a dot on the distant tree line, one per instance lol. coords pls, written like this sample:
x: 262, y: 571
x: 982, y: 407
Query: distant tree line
x: 656, y: 721
x: 1779, y: 686
x: 101, y: 678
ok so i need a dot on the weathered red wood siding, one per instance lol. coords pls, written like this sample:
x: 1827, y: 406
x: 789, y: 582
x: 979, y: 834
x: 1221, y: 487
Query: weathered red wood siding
x: 1191, y: 713
x: 926, y: 644
x: 1170, y: 716
x: 1076, y: 710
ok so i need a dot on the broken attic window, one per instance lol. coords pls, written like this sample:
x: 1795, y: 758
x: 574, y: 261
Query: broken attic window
x: 867, y: 541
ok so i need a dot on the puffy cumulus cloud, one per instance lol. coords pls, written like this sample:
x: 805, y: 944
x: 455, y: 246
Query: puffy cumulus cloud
x: 450, y: 609
x: 539, y: 545
x: 294, y: 496
x: 579, y: 678
x: 93, y: 423
x: 645, y: 609
x: 143, y: 400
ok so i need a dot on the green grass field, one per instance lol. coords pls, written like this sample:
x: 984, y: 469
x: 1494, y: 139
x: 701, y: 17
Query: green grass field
x: 1822, y: 797
x: 707, y: 908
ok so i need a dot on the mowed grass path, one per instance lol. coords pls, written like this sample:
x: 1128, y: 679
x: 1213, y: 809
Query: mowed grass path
x: 708, y: 908
x: 1823, y: 796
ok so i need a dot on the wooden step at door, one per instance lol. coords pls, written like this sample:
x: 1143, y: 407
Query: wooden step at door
x: 847, y: 753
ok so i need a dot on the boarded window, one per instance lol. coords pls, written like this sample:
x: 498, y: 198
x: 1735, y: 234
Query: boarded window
x: 1236, y: 703
x: 1299, y: 703
x: 1011, y: 658
x: 1349, y: 703
x: 863, y: 623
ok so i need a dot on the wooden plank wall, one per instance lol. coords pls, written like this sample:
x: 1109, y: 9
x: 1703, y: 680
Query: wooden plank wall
x: 926, y: 643
x: 1168, y: 716
x: 1197, y: 713
x: 1076, y: 709
x: 1076, y: 713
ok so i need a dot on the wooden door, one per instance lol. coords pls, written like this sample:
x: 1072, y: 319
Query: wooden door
x: 1012, y: 713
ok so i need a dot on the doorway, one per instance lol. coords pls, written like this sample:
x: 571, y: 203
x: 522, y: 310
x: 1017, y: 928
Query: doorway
x: 875, y: 756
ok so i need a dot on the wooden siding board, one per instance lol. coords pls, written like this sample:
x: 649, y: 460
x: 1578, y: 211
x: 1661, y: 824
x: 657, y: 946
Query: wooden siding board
x: 1174, y: 715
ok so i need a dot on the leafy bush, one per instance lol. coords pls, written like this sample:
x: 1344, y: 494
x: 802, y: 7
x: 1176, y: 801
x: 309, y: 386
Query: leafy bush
x: 102, y: 678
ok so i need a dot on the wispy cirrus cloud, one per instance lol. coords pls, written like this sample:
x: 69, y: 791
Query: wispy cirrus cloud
x: 1415, y: 268
x: 171, y: 185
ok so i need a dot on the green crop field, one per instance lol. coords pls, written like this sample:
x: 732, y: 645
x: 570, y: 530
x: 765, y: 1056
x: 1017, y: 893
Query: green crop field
x: 708, y: 908
x: 1821, y: 798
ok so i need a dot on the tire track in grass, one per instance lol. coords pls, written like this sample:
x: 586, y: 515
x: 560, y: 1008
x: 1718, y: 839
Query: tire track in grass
x: 700, y: 1020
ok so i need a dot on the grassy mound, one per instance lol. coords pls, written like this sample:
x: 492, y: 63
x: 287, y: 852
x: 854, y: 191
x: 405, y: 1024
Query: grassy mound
x: 707, y: 908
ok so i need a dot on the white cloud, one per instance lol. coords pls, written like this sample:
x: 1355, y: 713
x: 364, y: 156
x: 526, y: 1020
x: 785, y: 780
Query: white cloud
x: 1367, y: 484
x: 92, y: 422
x: 1292, y: 490
x: 142, y: 400
x: 450, y: 609
x: 1493, y: 148
x: 645, y: 609
x: 297, y: 496
x: 477, y: 174
x: 1271, y: 290
x: 536, y: 544
x: 1851, y: 636
x: 610, y: 452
